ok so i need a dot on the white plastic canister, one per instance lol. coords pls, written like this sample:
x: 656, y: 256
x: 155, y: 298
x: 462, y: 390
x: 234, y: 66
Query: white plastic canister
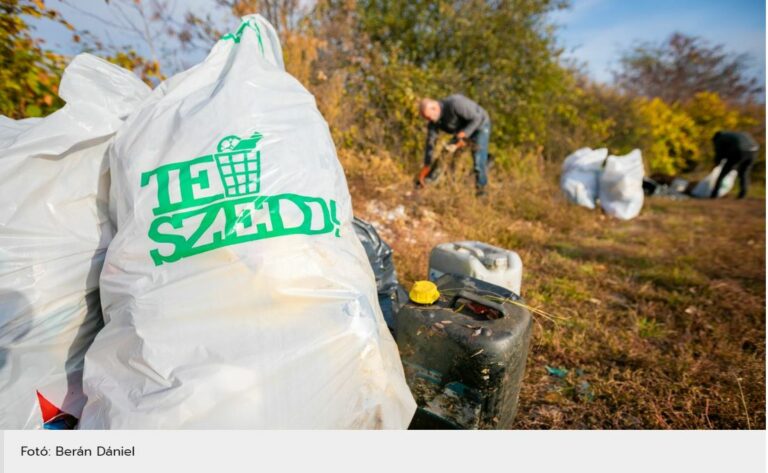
x: 478, y: 260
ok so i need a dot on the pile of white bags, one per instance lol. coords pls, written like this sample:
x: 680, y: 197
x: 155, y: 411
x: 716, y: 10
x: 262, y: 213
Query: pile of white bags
x: 54, y: 231
x: 621, y: 185
x: 589, y: 176
x: 703, y: 189
x: 580, y: 174
x: 235, y: 292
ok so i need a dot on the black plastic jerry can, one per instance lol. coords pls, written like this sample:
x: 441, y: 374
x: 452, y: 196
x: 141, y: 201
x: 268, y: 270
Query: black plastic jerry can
x: 463, y: 345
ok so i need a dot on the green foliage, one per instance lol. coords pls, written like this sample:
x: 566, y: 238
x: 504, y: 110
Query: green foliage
x: 368, y: 62
x: 588, y: 115
x: 501, y: 54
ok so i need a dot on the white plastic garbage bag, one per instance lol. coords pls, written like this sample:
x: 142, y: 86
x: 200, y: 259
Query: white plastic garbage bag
x: 580, y: 175
x: 54, y: 230
x: 621, y: 185
x: 10, y: 129
x: 235, y: 292
x: 703, y: 189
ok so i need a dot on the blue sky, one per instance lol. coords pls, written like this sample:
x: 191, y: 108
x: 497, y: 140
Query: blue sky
x: 596, y: 31
x: 104, y: 22
x: 592, y: 31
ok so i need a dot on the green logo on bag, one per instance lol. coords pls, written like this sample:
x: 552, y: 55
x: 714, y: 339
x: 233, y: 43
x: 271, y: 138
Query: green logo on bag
x: 238, y: 34
x: 239, y: 165
x: 213, y: 201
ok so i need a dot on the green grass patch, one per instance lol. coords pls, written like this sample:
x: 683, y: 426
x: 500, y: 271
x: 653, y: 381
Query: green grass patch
x: 674, y: 278
x: 649, y: 328
x: 560, y: 289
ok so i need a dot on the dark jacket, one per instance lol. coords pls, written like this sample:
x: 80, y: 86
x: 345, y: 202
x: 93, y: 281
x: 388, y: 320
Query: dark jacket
x: 735, y: 151
x: 457, y: 113
x: 734, y: 146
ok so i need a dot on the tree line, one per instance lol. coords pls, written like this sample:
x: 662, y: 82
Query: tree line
x: 368, y: 62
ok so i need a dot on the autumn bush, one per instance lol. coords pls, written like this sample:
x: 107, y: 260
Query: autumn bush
x: 368, y: 62
x: 29, y: 74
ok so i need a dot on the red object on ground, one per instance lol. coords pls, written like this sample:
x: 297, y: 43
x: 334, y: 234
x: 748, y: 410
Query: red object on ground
x: 48, y: 410
x: 423, y: 175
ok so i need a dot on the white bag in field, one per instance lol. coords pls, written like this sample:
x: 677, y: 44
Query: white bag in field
x: 580, y: 174
x: 621, y: 185
x: 235, y: 292
x: 54, y: 231
x: 703, y: 190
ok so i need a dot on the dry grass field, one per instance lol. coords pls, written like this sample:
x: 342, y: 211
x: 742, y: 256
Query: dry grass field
x: 654, y: 323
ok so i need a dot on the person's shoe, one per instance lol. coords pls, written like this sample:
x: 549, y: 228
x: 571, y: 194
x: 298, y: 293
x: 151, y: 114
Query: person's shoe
x: 480, y: 192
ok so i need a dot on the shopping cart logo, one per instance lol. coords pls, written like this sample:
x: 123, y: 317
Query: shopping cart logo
x: 239, y: 165
x: 216, y: 200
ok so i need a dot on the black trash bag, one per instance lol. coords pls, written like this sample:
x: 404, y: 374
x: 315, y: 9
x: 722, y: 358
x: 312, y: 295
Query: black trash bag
x: 664, y: 186
x: 391, y: 295
x: 650, y: 187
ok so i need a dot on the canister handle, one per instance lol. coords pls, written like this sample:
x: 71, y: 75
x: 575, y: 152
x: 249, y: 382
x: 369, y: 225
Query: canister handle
x: 462, y: 294
x: 476, y: 252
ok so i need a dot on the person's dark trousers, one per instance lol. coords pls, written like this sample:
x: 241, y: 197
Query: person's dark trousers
x: 745, y: 169
x: 480, y: 138
x: 743, y: 166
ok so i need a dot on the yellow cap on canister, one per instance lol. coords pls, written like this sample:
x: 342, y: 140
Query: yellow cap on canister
x: 424, y: 292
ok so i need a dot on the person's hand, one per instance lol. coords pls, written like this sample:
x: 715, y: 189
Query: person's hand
x: 459, y: 141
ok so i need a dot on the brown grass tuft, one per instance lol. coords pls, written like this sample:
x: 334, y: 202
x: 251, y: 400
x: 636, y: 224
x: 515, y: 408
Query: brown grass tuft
x: 659, y: 322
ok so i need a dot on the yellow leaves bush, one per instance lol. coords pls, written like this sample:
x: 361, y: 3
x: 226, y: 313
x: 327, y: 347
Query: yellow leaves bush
x: 299, y: 53
x: 677, y: 138
x: 711, y: 114
x: 708, y: 110
x: 667, y: 136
